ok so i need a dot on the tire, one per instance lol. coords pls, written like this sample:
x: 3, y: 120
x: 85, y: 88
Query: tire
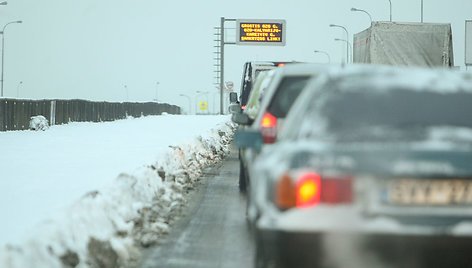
x: 242, y: 178
x: 260, y: 260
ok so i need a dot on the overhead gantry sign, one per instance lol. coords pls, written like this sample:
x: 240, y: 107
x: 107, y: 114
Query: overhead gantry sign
x: 260, y: 32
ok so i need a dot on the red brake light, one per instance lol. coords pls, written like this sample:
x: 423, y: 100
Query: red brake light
x: 268, y: 120
x: 308, y: 190
x: 268, y: 128
x: 243, y: 107
x: 337, y: 190
x: 281, y: 64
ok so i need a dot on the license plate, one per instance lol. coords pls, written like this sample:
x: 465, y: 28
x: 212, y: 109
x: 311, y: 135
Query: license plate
x: 415, y: 192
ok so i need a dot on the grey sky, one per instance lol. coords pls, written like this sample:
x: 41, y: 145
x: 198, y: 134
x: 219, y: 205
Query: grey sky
x: 91, y: 49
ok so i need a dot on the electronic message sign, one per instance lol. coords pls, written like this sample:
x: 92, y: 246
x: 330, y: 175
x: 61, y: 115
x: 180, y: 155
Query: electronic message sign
x: 260, y: 32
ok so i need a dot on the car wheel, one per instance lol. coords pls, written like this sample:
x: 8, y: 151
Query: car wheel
x: 242, y: 178
x: 259, y: 258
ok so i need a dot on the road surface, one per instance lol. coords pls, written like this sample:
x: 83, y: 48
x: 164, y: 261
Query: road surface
x: 213, y: 231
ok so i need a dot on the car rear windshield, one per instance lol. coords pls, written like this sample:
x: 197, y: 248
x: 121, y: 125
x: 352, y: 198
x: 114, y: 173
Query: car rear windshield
x: 286, y: 93
x: 392, y: 115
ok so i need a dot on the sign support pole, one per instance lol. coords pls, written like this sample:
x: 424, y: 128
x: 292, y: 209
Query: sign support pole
x: 222, y: 63
x: 468, y: 44
x: 277, y: 38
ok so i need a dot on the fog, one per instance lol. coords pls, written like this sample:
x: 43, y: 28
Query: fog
x: 139, y: 50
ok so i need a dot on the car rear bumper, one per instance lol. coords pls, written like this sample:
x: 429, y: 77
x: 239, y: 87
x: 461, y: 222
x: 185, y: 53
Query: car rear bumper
x: 352, y: 219
x: 340, y: 249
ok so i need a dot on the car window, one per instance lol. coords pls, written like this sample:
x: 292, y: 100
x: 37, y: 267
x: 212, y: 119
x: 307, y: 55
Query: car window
x: 393, y: 115
x: 258, y: 71
x: 246, y: 84
x: 286, y: 93
x: 255, y: 96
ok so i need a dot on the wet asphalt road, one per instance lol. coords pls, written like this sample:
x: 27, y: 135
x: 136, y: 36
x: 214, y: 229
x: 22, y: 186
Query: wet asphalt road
x: 213, y: 231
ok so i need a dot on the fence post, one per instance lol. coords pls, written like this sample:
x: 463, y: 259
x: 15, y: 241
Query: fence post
x: 53, y: 113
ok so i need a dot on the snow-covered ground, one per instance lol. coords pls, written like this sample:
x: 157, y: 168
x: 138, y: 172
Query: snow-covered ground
x: 83, y: 194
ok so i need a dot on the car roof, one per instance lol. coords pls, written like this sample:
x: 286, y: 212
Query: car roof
x: 383, y: 78
x: 305, y: 68
x: 296, y: 69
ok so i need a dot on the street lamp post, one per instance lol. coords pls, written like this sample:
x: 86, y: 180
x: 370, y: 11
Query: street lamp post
x: 347, y: 38
x: 361, y: 10
x: 421, y: 11
x: 323, y: 52
x: 390, y: 1
x: 18, y: 89
x: 189, y: 102
x: 347, y: 43
x: 3, y: 49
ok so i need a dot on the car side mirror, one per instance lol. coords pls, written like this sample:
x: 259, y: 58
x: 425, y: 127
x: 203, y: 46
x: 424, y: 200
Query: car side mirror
x: 234, y: 108
x: 233, y: 97
x: 241, y: 119
x: 248, y: 139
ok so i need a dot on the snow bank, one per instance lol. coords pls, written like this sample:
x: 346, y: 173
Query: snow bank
x: 105, y: 228
x: 38, y: 122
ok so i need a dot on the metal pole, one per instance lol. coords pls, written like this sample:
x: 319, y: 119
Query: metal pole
x: 391, y: 10
x: 421, y: 11
x: 222, y: 62
x: 347, y: 38
x: 3, y: 51
x: 347, y: 42
x: 347, y: 46
x: 3, y: 56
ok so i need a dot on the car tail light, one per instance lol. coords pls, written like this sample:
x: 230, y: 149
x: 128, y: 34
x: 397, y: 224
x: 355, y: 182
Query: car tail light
x: 337, y: 190
x: 307, y: 189
x: 281, y: 64
x: 269, y: 128
x: 285, y: 193
x: 243, y: 107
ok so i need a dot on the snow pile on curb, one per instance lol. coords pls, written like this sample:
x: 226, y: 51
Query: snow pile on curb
x: 38, y: 122
x: 105, y: 228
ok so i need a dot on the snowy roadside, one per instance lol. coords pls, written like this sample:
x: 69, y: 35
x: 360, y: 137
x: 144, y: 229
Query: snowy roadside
x: 104, y: 228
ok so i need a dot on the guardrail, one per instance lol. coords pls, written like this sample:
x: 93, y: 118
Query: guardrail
x: 15, y: 114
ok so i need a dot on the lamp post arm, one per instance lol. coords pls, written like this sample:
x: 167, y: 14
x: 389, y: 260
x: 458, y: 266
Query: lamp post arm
x: 324, y: 52
x: 347, y: 38
x: 3, y: 52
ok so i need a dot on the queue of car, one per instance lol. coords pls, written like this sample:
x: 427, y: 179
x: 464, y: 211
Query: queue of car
x: 269, y: 101
x: 372, y: 168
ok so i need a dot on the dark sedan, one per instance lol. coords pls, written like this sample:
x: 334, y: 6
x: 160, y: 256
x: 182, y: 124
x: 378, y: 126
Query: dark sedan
x: 372, y: 169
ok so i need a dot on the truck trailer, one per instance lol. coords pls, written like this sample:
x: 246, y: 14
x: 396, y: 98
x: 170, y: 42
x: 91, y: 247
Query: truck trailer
x: 405, y: 44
